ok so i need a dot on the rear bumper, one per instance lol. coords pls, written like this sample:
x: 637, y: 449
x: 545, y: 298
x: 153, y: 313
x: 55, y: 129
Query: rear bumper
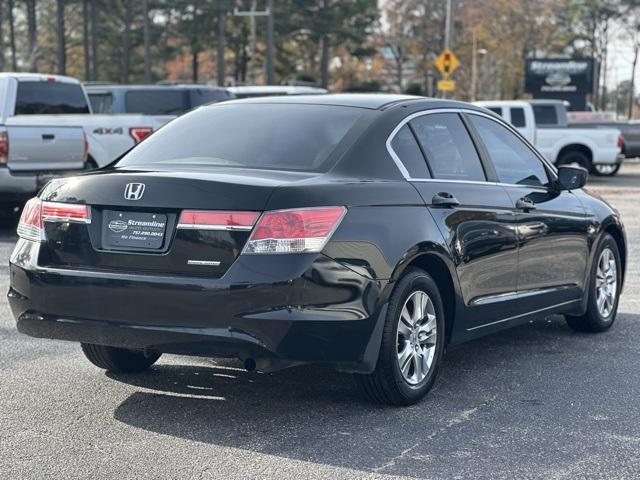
x: 286, y: 311
x: 609, y: 157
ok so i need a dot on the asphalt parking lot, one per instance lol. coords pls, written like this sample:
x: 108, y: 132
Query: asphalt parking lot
x: 537, y: 401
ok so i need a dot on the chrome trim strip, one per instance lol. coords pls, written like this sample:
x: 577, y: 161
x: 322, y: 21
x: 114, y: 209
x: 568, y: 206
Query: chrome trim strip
x: 206, y: 263
x: 230, y: 228
x: 526, y: 314
x: 59, y: 219
x: 407, y: 176
x: 503, y: 297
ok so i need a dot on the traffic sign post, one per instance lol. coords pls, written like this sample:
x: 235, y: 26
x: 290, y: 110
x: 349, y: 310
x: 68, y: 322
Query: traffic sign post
x: 447, y: 63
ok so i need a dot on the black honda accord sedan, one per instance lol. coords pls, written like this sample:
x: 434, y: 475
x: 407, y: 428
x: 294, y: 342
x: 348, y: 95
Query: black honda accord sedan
x: 367, y: 232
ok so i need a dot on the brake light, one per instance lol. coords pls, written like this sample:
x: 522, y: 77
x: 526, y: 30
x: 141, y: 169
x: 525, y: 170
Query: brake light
x: 217, y: 220
x: 30, y: 226
x: 4, y: 148
x: 620, y: 142
x: 36, y: 212
x: 140, y: 133
x: 65, y: 212
x: 294, y: 231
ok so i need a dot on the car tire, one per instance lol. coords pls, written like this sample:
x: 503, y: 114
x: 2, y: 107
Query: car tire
x: 575, y: 157
x: 605, y: 170
x: 118, y: 360
x: 601, y: 314
x: 389, y: 383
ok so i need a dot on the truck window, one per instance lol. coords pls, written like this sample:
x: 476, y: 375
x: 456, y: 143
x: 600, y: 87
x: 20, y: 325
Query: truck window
x: 517, y: 117
x: 201, y: 96
x: 545, y: 114
x: 37, y: 98
x: 156, y: 102
x: 101, y: 102
x: 497, y: 110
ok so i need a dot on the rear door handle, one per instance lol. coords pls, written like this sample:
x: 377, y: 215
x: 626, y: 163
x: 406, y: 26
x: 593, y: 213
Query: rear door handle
x: 525, y: 203
x: 48, y: 136
x: 444, y: 199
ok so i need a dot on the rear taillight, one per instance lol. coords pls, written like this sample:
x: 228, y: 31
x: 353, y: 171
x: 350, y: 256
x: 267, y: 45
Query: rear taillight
x: 30, y: 226
x: 65, y: 212
x: 140, y: 133
x: 4, y: 148
x: 294, y: 231
x: 36, y: 212
x: 217, y: 220
x: 620, y: 142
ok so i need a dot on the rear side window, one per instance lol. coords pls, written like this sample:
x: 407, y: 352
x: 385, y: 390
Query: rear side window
x: 497, y: 110
x: 156, y: 102
x: 101, y: 102
x: 517, y: 117
x: 514, y: 162
x: 201, y: 96
x: 545, y: 114
x: 448, y: 147
x: 250, y: 135
x: 38, y: 98
x: 406, y: 147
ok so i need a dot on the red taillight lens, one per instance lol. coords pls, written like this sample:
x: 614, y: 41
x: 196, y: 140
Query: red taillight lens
x: 294, y: 231
x: 65, y: 212
x: 4, y: 148
x: 620, y: 142
x: 217, y: 220
x: 140, y: 133
x: 30, y: 226
x: 36, y: 212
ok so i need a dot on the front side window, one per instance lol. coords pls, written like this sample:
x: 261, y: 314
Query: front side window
x: 156, y: 102
x: 406, y: 147
x: 47, y: 98
x: 514, y: 162
x: 448, y: 147
x: 250, y: 135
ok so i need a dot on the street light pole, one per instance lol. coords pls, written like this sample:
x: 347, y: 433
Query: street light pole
x: 252, y: 14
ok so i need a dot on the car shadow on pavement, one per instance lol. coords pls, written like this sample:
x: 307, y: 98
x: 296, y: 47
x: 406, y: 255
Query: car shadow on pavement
x: 313, y: 414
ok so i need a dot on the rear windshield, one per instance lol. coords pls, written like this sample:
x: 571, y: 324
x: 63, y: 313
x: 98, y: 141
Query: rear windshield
x: 37, y: 98
x: 545, y: 114
x: 156, y: 102
x: 271, y: 136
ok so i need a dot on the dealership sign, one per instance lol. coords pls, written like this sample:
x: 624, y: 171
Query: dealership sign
x: 558, y: 76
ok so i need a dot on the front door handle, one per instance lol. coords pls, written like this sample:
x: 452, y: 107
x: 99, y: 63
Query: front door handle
x: 48, y: 136
x: 444, y: 199
x: 525, y: 203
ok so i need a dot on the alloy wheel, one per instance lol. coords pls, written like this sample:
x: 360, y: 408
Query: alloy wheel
x: 606, y: 282
x: 416, y: 337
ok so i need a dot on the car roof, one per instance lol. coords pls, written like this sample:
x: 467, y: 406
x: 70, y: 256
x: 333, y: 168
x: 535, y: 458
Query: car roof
x: 374, y: 101
x: 96, y: 87
x: 276, y: 89
x: 38, y: 77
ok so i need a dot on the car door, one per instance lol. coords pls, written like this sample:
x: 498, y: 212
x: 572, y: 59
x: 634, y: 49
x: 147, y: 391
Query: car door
x: 552, y: 225
x: 474, y: 215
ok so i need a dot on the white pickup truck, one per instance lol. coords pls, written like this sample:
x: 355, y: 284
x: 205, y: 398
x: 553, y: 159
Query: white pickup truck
x: 47, y: 129
x: 544, y: 124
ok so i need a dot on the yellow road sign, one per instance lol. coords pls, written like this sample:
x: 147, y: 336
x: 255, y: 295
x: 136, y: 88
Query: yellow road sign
x: 447, y: 62
x: 446, y: 85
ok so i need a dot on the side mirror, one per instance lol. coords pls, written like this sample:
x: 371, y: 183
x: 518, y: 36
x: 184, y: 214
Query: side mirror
x: 572, y: 177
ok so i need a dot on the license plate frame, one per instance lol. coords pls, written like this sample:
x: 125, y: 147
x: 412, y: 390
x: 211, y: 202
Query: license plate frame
x: 133, y: 231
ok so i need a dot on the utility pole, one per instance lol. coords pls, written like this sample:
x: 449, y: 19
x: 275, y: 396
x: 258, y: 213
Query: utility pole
x: 147, y: 44
x: 474, y: 64
x: 270, y: 45
x: 62, y: 49
x: 252, y: 14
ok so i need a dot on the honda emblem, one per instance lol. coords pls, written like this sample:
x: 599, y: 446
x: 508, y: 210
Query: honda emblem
x: 134, y: 191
